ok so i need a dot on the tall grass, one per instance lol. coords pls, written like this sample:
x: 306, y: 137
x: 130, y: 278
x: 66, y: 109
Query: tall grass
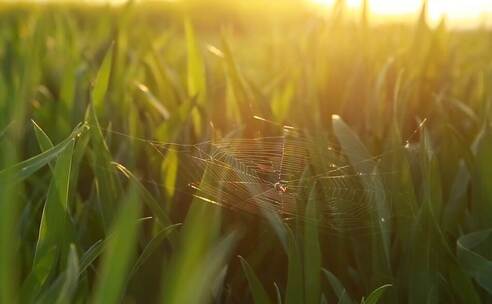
x: 95, y: 197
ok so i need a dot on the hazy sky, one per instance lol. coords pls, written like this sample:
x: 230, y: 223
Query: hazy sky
x: 458, y: 12
x: 455, y: 10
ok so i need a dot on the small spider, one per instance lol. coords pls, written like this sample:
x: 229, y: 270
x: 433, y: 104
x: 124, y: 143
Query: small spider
x: 280, y: 188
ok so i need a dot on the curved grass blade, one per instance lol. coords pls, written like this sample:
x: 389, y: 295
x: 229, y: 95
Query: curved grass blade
x: 63, y: 288
x: 54, y: 231
x: 473, y: 262
x: 19, y: 172
x: 151, y: 247
x: 259, y: 294
x: 92, y: 254
x: 337, y: 286
x: 360, y: 159
x: 374, y: 297
x: 71, y: 277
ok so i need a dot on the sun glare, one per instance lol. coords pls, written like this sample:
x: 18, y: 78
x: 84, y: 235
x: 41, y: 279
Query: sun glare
x: 454, y: 10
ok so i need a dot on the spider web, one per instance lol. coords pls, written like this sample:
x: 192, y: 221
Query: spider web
x: 282, y: 174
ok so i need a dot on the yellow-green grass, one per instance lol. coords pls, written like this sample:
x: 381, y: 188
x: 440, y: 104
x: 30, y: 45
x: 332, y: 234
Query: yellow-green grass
x: 101, y: 109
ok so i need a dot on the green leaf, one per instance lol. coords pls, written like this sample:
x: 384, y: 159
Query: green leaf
x: 153, y: 101
x: 312, y: 252
x: 9, y: 206
x: 364, y: 164
x: 197, y: 83
x: 54, y: 231
x: 198, y: 238
x: 337, y: 286
x: 473, y: 261
x: 200, y: 272
x: 151, y: 247
x: 119, y: 252
x: 102, y: 82
x: 147, y: 197
x: 92, y: 254
x: 170, y: 172
x: 63, y: 289
x: 196, y: 68
x: 108, y: 189
x: 23, y: 170
x: 375, y: 295
x: 295, y: 282
x: 44, y: 141
x: 71, y: 277
x: 259, y: 294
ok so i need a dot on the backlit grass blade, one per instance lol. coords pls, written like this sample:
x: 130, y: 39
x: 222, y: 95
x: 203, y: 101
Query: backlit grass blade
x: 101, y: 82
x: 363, y: 163
x: 23, y: 170
x: 202, y: 275
x: 195, y: 67
x: 119, y: 252
x: 196, y: 80
x: 54, y: 230
x: 373, y: 297
x: 198, y: 238
x: 151, y: 247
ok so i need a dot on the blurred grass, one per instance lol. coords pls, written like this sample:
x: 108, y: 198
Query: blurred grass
x: 90, y: 212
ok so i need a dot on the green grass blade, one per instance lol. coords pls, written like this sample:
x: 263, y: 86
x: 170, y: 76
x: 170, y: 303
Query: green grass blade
x: 71, y: 277
x: 44, y: 141
x: 54, y: 231
x: 259, y: 294
x: 101, y: 83
x: 8, y: 238
x: 159, y: 213
x: 295, y: 282
x: 24, y: 169
x: 474, y: 262
x: 92, y: 254
x: 363, y: 163
x: 151, y: 247
x: 196, y: 80
x: 118, y: 253
x: 195, y: 67
x: 197, y: 239
x: 337, y: 286
x: 373, y: 297
x: 108, y: 188
x: 312, y: 252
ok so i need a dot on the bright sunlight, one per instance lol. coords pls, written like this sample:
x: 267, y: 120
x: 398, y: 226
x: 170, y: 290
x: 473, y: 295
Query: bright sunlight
x: 456, y: 11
